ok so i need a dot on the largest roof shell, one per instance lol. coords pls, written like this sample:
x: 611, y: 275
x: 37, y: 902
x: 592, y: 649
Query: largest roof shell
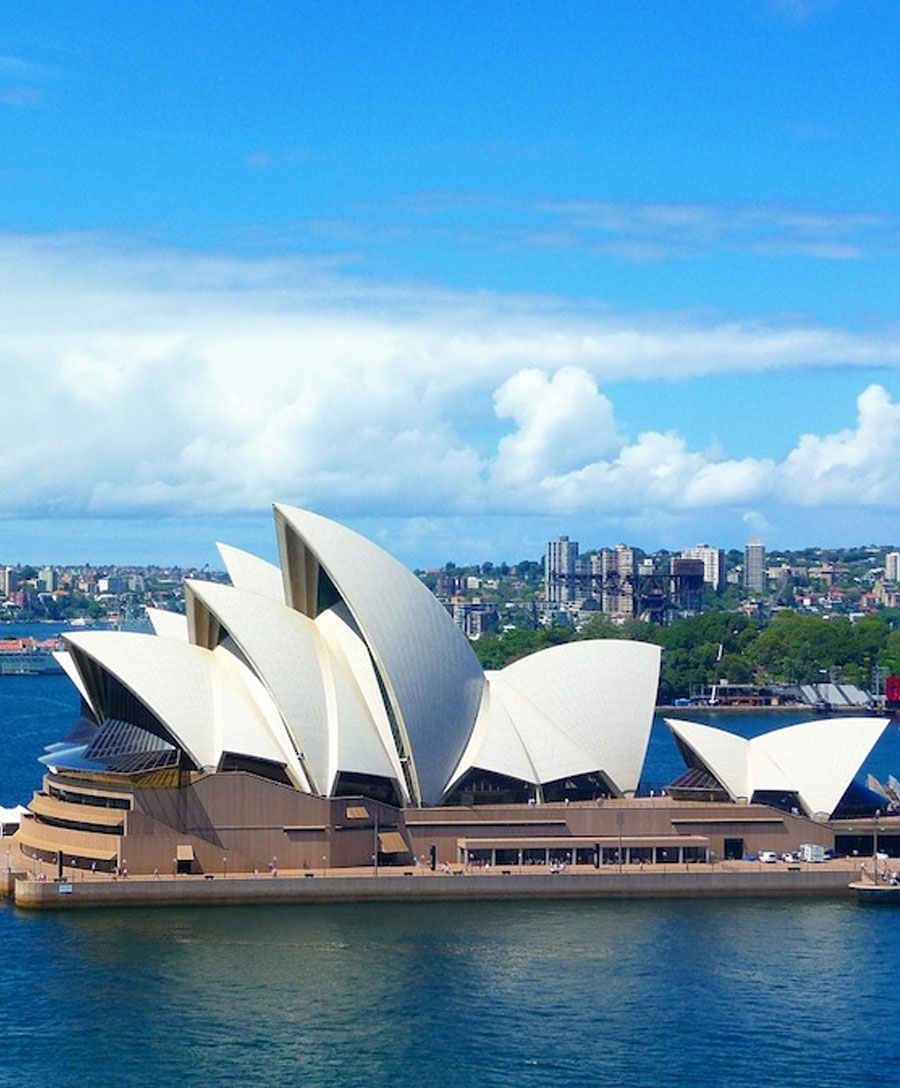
x: 431, y: 677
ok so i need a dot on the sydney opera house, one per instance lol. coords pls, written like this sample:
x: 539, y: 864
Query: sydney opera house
x: 327, y: 713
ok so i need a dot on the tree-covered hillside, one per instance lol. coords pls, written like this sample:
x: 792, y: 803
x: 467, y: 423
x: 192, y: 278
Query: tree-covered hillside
x: 702, y: 650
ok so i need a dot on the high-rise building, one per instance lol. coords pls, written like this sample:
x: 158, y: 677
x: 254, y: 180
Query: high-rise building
x: 559, y: 570
x: 48, y: 580
x: 755, y: 566
x: 618, y: 590
x: 892, y: 567
x: 713, y: 563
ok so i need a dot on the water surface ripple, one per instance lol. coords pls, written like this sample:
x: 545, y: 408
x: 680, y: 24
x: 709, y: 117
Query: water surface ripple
x: 481, y: 995
x: 727, y: 993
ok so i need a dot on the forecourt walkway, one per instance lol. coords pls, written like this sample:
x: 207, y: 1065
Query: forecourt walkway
x: 722, y: 879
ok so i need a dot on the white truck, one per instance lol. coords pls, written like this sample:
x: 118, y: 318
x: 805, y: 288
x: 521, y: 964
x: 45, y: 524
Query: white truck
x: 811, y: 851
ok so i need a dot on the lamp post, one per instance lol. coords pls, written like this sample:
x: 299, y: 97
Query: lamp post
x: 875, y: 845
x: 224, y: 866
x: 620, y: 820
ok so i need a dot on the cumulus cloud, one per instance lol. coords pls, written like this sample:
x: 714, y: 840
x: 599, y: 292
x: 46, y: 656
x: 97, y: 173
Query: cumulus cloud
x: 138, y: 381
x: 655, y: 471
x: 562, y: 419
x: 853, y: 466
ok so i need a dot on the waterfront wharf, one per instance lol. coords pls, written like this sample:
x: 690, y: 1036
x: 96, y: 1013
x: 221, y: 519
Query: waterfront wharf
x: 715, y: 880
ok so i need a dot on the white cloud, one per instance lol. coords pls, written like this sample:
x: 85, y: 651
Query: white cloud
x: 631, y: 231
x: 563, y: 421
x: 20, y: 97
x: 757, y: 523
x: 153, y: 382
x: 800, y: 11
x: 19, y: 81
x: 656, y: 471
x: 854, y: 466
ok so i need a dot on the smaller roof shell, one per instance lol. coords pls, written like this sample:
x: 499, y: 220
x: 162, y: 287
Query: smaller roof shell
x: 569, y: 710
x: 816, y: 759
x: 199, y: 698
x: 249, y: 572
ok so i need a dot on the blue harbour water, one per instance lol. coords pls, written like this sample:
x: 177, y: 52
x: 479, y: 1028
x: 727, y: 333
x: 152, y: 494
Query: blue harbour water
x: 718, y: 992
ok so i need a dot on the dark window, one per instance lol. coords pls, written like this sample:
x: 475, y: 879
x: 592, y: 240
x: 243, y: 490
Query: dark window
x: 263, y: 768
x: 583, y: 787
x: 485, y: 788
x: 375, y: 787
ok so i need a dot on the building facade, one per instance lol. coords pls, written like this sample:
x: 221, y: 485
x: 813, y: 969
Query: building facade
x: 560, y: 565
x: 617, y: 570
x: 713, y: 564
x: 755, y: 566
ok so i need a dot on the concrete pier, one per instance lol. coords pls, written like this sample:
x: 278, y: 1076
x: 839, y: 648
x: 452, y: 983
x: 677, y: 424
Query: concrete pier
x: 333, y: 886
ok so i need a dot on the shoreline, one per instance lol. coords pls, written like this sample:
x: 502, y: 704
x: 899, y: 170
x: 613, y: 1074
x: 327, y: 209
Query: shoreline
x: 717, y: 880
x: 790, y: 708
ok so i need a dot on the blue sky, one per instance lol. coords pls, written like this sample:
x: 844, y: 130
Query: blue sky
x: 463, y: 275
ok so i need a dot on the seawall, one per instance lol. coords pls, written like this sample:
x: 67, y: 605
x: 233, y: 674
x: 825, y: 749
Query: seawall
x: 696, y: 882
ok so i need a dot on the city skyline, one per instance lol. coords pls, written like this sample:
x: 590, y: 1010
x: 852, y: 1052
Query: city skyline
x: 467, y: 279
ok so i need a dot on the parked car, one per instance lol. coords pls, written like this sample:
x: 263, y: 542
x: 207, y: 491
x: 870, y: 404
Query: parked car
x: 768, y: 856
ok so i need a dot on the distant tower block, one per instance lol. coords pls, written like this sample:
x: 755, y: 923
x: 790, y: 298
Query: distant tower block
x: 755, y: 566
x: 559, y: 570
x: 713, y: 563
x: 618, y: 585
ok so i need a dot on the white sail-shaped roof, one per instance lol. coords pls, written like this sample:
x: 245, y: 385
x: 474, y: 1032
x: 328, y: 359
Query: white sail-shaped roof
x: 249, y: 724
x: 199, y: 706
x: 168, y: 624
x: 340, y: 670
x: 432, y: 679
x: 495, y: 743
x: 600, y: 693
x: 282, y: 646
x: 249, y: 572
x: 551, y: 751
x: 823, y: 756
x: 573, y: 709
x: 724, y: 754
x: 324, y: 720
x: 362, y: 741
x: 71, y: 670
x: 817, y: 759
x: 170, y: 678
